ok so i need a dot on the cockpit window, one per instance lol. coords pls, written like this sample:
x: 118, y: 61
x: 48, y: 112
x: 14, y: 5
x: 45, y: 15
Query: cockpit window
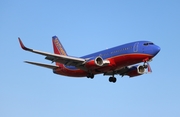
x: 151, y: 43
x: 148, y: 43
x: 145, y: 44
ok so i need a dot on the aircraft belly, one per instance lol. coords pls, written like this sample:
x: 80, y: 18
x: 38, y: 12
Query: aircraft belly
x: 71, y: 73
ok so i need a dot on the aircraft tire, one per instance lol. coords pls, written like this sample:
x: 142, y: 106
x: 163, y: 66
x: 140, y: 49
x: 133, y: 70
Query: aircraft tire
x: 112, y: 79
x: 90, y: 76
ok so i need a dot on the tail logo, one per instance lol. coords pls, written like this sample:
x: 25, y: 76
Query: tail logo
x: 59, y: 47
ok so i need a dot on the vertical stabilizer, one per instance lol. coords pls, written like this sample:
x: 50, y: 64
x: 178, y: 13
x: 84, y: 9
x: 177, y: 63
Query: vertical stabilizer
x: 58, y: 47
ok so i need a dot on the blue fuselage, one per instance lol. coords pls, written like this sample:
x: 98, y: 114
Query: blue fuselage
x: 138, y: 47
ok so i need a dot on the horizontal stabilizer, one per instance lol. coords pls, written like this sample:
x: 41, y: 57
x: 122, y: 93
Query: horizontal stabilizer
x: 42, y: 65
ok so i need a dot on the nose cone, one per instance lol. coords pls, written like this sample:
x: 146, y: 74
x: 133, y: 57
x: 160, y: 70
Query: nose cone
x: 156, y: 50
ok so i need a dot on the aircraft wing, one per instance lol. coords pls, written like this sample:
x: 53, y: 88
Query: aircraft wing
x: 66, y: 60
x: 121, y: 71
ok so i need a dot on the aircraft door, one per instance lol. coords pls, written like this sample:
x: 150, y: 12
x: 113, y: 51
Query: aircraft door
x: 135, y: 48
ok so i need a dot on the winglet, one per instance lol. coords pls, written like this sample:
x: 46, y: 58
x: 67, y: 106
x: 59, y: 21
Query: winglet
x: 22, y: 45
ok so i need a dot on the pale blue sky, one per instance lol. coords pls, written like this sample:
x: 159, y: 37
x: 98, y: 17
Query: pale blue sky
x: 85, y: 27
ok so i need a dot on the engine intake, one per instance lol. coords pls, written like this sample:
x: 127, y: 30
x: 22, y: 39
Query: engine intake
x: 141, y: 69
x: 136, y: 71
x: 97, y: 62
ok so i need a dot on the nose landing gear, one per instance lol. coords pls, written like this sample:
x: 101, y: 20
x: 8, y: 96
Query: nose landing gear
x: 146, y: 65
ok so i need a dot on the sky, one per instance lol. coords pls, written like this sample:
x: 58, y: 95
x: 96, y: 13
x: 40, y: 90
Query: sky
x: 85, y: 27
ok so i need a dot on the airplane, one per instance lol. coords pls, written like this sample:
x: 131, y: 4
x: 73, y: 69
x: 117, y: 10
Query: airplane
x: 120, y: 60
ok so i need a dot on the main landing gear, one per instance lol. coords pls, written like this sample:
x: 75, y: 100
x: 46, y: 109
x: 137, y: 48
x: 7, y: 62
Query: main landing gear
x: 90, y: 75
x: 112, y: 79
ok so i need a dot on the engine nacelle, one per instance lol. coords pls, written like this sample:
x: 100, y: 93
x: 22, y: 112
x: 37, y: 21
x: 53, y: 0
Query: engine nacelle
x: 136, y: 71
x: 97, y: 62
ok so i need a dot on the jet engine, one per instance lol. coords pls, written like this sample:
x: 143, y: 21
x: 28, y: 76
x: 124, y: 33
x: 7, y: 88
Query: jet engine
x: 136, y: 70
x: 97, y: 62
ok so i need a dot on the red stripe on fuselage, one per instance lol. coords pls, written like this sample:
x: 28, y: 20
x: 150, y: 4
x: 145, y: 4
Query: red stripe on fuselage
x: 115, y: 63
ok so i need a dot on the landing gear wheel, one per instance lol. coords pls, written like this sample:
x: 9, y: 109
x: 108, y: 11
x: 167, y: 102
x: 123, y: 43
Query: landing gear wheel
x: 112, y: 79
x: 90, y: 76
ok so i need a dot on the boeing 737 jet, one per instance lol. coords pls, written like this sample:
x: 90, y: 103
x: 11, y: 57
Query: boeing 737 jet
x: 120, y: 60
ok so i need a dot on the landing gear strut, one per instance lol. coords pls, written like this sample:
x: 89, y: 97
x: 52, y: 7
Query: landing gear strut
x: 146, y: 64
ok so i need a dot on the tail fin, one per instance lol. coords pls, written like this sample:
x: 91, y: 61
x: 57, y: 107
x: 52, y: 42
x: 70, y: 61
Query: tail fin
x: 58, y: 47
